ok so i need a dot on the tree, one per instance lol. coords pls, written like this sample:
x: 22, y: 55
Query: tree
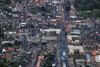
x: 14, y: 64
x: 18, y: 43
x: 95, y: 13
x: 1, y: 32
x: 4, y: 4
x: 48, y: 61
x: 84, y: 5
x: 2, y: 64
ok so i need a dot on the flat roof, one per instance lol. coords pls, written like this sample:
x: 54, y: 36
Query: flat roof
x: 75, y: 32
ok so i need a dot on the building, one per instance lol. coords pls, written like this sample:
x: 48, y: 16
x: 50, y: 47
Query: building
x: 49, y: 38
x: 73, y: 39
x: 19, y: 31
x: 8, y: 40
x: 51, y: 30
x: 71, y: 62
x: 98, y: 58
x: 75, y: 32
x: 75, y: 49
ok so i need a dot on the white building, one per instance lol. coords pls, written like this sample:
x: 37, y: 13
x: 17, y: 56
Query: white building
x: 72, y: 48
x: 51, y: 30
x: 97, y: 58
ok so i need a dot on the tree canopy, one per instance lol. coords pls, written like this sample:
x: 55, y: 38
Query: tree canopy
x: 1, y: 32
x: 84, y: 5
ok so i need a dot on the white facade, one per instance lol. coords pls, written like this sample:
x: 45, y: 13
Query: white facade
x: 3, y: 42
x: 72, y: 48
x: 51, y: 30
x: 97, y: 58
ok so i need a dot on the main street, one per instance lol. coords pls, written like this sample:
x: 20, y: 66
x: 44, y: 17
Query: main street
x: 64, y: 47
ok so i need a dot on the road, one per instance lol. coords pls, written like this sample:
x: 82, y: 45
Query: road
x: 64, y: 47
x: 33, y: 60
